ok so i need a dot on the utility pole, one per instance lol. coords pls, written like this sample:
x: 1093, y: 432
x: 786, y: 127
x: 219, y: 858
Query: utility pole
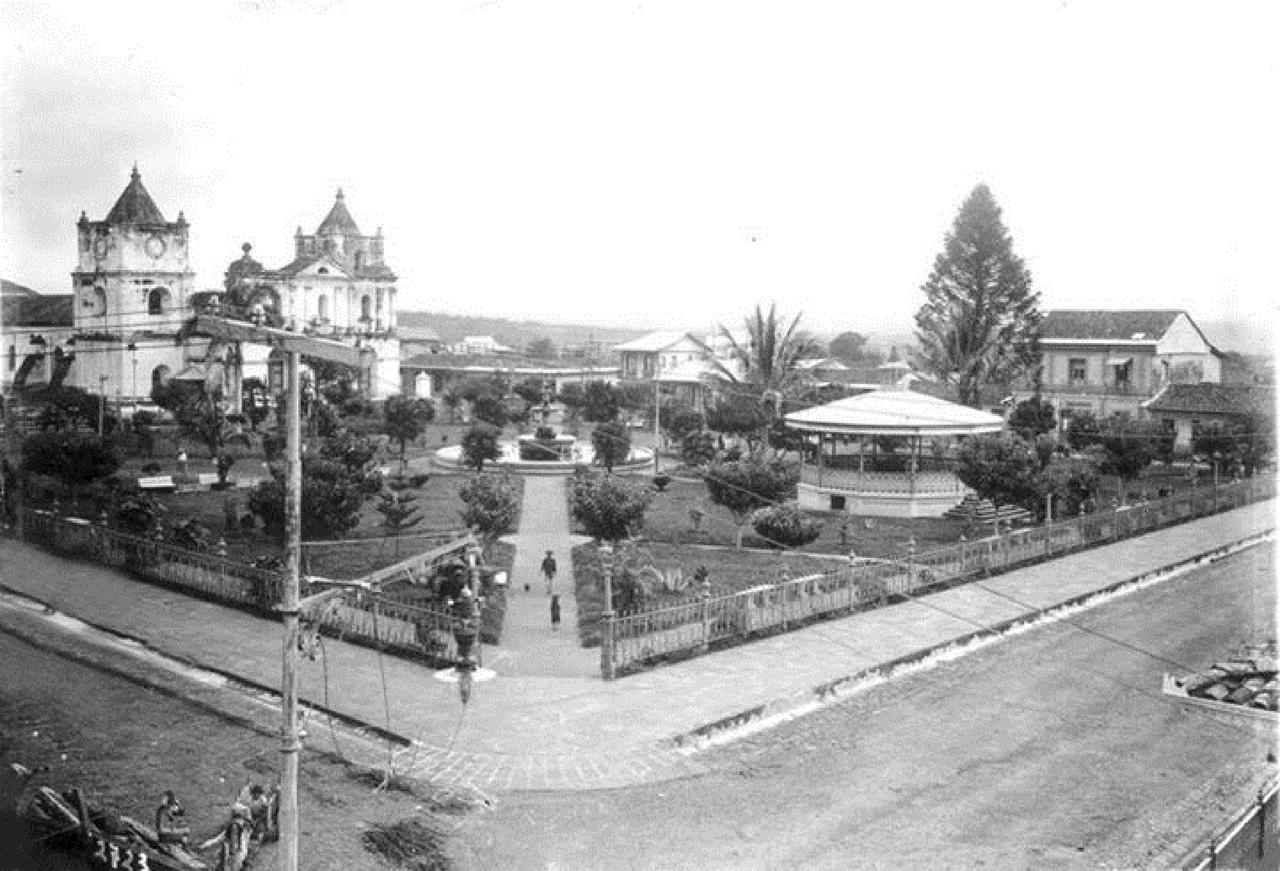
x: 289, y: 743
x: 292, y: 345
x: 657, y: 413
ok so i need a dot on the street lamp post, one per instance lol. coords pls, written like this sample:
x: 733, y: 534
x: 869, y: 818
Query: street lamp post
x: 102, y: 400
x: 134, y: 348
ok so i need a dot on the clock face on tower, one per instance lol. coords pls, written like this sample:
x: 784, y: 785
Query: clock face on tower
x: 155, y: 247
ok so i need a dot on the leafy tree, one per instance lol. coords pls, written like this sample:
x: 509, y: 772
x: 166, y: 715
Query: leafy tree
x: 611, y: 442
x: 198, y: 411
x: 740, y: 415
x: 678, y: 421
x: 529, y: 389
x: 398, y: 513
x: 1245, y: 444
x: 139, y: 513
x: 452, y: 398
x: 980, y: 321
x: 473, y: 388
x: 785, y: 525
x: 1083, y: 430
x: 541, y: 347
x: 1003, y: 468
x: 254, y: 402
x: 599, y: 401
x: 489, y: 504
x: 1129, y: 446
x: 1032, y: 417
x: 75, y: 459
x: 635, y: 397
x: 63, y: 407
x: 405, y: 418
x: 573, y: 396
x: 480, y: 443
x: 766, y: 359
x: 848, y: 346
x: 491, y: 409
x: 1071, y: 482
x: 336, y: 481
x: 753, y: 482
x: 335, y: 382
x: 698, y: 448
x: 610, y: 508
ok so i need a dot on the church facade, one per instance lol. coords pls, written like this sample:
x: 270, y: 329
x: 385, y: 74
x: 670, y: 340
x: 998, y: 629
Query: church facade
x: 133, y: 291
x: 338, y: 286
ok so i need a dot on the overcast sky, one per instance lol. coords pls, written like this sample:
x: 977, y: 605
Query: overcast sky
x: 666, y: 163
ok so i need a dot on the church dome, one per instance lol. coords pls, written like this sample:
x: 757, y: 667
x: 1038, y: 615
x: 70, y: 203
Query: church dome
x: 245, y: 266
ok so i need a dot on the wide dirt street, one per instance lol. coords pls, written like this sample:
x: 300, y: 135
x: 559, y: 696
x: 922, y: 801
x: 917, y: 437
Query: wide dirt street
x: 1054, y: 749
x: 123, y: 744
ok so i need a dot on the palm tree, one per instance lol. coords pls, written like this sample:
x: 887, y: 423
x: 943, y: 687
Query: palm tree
x: 765, y: 361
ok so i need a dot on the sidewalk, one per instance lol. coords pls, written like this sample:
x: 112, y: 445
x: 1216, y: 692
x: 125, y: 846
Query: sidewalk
x: 551, y: 723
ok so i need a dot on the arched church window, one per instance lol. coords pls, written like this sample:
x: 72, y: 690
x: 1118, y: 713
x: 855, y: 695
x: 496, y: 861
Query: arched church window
x: 156, y: 301
x: 366, y: 308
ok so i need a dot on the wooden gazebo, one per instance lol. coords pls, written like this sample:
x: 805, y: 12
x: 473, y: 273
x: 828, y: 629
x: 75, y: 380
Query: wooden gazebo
x: 871, y: 458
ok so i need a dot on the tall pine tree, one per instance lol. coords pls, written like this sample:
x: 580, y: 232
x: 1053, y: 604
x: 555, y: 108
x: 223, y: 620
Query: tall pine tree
x: 980, y: 321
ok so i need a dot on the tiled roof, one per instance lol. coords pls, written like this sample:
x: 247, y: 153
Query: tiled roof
x: 40, y: 310
x: 482, y: 363
x: 135, y: 205
x: 1210, y: 398
x: 338, y: 220
x: 11, y: 288
x: 1105, y: 324
x: 417, y: 334
x: 377, y: 272
x: 657, y: 341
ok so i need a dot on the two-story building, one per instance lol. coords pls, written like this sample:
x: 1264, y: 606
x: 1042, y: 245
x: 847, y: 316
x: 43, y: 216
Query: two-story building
x: 1110, y: 362
x: 681, y: 366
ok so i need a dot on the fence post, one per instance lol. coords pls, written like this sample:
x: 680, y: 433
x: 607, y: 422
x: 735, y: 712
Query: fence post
x: 911, y: 564
x: 608, y: 627
x: 706, y: 615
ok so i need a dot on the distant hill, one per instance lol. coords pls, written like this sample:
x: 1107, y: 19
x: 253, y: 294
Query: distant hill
x: 1257, y: 337
x: 515, y: 333
x: 12, y: 288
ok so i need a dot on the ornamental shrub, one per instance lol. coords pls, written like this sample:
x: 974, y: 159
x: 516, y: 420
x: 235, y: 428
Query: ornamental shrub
x: 785, y: 525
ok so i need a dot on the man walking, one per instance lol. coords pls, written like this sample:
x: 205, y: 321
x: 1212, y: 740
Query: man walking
x: 549, y: 570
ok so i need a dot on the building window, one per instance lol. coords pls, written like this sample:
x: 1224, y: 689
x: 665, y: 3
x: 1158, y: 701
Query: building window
x: 1076, y: 370
x: 1168, y: 424
x: 359, y: 260
x: 13, y: 358
x: 156, y: 301
x: 1123, y: 371
x: 322, y: 307
x: 366, y: 308
x: 837, y: 503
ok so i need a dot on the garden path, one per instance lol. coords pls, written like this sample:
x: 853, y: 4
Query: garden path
x: 529, y: 645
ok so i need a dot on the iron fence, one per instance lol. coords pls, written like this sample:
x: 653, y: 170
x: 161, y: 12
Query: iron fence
x: 690, y: 627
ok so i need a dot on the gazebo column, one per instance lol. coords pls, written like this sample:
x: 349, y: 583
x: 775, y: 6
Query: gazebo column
x: 820, y: 459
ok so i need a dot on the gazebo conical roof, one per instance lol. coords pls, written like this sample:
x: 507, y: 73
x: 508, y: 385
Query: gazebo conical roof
x: 895, y: 413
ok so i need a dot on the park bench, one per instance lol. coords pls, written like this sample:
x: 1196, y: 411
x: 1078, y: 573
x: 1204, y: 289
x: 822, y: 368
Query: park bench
x: 157, y: 482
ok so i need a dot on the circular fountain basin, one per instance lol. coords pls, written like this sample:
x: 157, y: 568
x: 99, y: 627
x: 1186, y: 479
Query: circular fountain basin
x: 579, y: 454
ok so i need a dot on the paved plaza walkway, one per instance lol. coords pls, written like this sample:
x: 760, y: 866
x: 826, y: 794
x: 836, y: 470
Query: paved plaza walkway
x: 547, y: 720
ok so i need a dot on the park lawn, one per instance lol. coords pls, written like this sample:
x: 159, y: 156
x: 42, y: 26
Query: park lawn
x: 370, y: 549
x: 667, y: 520
x: 729, y: 571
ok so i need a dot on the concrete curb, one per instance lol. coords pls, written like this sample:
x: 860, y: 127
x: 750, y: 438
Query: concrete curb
x: 781, y: 709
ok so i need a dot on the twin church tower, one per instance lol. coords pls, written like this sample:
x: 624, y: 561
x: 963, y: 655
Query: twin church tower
x: 133, y: 289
